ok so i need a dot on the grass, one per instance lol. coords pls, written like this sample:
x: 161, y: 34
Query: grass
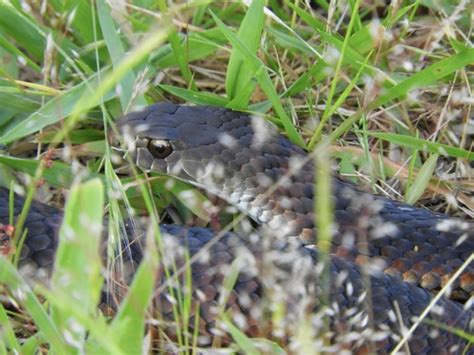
x: 388, y: 88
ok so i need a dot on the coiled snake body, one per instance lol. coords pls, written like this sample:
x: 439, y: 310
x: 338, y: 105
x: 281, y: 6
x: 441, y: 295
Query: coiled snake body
x: 387, y: 258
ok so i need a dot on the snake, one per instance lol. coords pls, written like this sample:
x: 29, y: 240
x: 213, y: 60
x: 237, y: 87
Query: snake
x: 387, y: 260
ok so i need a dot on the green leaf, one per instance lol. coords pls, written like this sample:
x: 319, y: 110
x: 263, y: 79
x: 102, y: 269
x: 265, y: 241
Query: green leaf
x: 57, y: 174
x: 7, y: 335
x: 55, y: 110
x: 22, y: 29
x: 77, y: 265
x: 194, y: 200
x: 239, y: 73
x: 199, y: 98
x: 425, y: 77
x: 75, y: 137
x: 421, y: 180
x: 128, y: 326
x: 307, y: 17
x: 10, y: 277
x: 360, y: 43
x: 198, y: 45
x: 245, y: 343
x: 82, y: 22
x: 422, y: 144
x: 16, y: 102
x: 289, y: 41
x: 264, y: 80
x: 117, y: 52
x: 29, y: 34
x: 17, y: 53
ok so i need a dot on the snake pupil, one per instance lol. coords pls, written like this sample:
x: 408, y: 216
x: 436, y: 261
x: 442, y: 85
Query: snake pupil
x: 159, y: 148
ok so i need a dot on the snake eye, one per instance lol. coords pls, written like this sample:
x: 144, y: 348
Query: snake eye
x: 160, y: 148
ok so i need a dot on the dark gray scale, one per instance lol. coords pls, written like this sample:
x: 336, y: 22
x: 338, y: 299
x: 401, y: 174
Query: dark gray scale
x: 39, y: 242
x: 42, y: 226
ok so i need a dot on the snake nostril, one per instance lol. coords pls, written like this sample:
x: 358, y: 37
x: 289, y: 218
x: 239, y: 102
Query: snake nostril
x: 160, y: 148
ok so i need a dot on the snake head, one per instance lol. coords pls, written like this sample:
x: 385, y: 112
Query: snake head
x: 239, y: 157
x: 172, y: 139
x: 202, y: 145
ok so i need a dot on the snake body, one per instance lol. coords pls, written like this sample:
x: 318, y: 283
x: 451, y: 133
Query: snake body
x: 240, y: 159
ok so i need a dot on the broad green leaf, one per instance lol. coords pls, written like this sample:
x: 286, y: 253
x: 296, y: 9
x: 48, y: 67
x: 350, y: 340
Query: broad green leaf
x: 78, y: 262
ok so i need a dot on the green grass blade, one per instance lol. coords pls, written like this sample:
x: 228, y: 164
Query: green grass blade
x: 8, y: 46
x: 422, y: 144
x: 425, y: 77
x: 7, y: 335
x: 193, y: 199
x: 199, y: 98
x: 81, y: 23
x: 117, y: 52
x: 199, y: 45
x: 260, y: 72
x: 77, y: 266
x: 19, y: 27
x: 288, y: 40
x: 31, y: 345
x: 345, y: 51
x: 55, y: 110
x: 16, y: 102
x: 57, y: 174
x: 307, y: 17
x: 181, y: 58
x: 128, y: 326
x: 243, y: 341
x: 361, y: 42
x: 10, y: 277
x: 239, y: 74
x: 421, y: 181
x: 30, y: 34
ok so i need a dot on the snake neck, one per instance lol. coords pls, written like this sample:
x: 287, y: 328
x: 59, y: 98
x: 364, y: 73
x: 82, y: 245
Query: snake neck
x: 275, y: 187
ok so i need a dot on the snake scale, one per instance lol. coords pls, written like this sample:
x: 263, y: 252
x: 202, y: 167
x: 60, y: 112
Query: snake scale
x: 387, y: 260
